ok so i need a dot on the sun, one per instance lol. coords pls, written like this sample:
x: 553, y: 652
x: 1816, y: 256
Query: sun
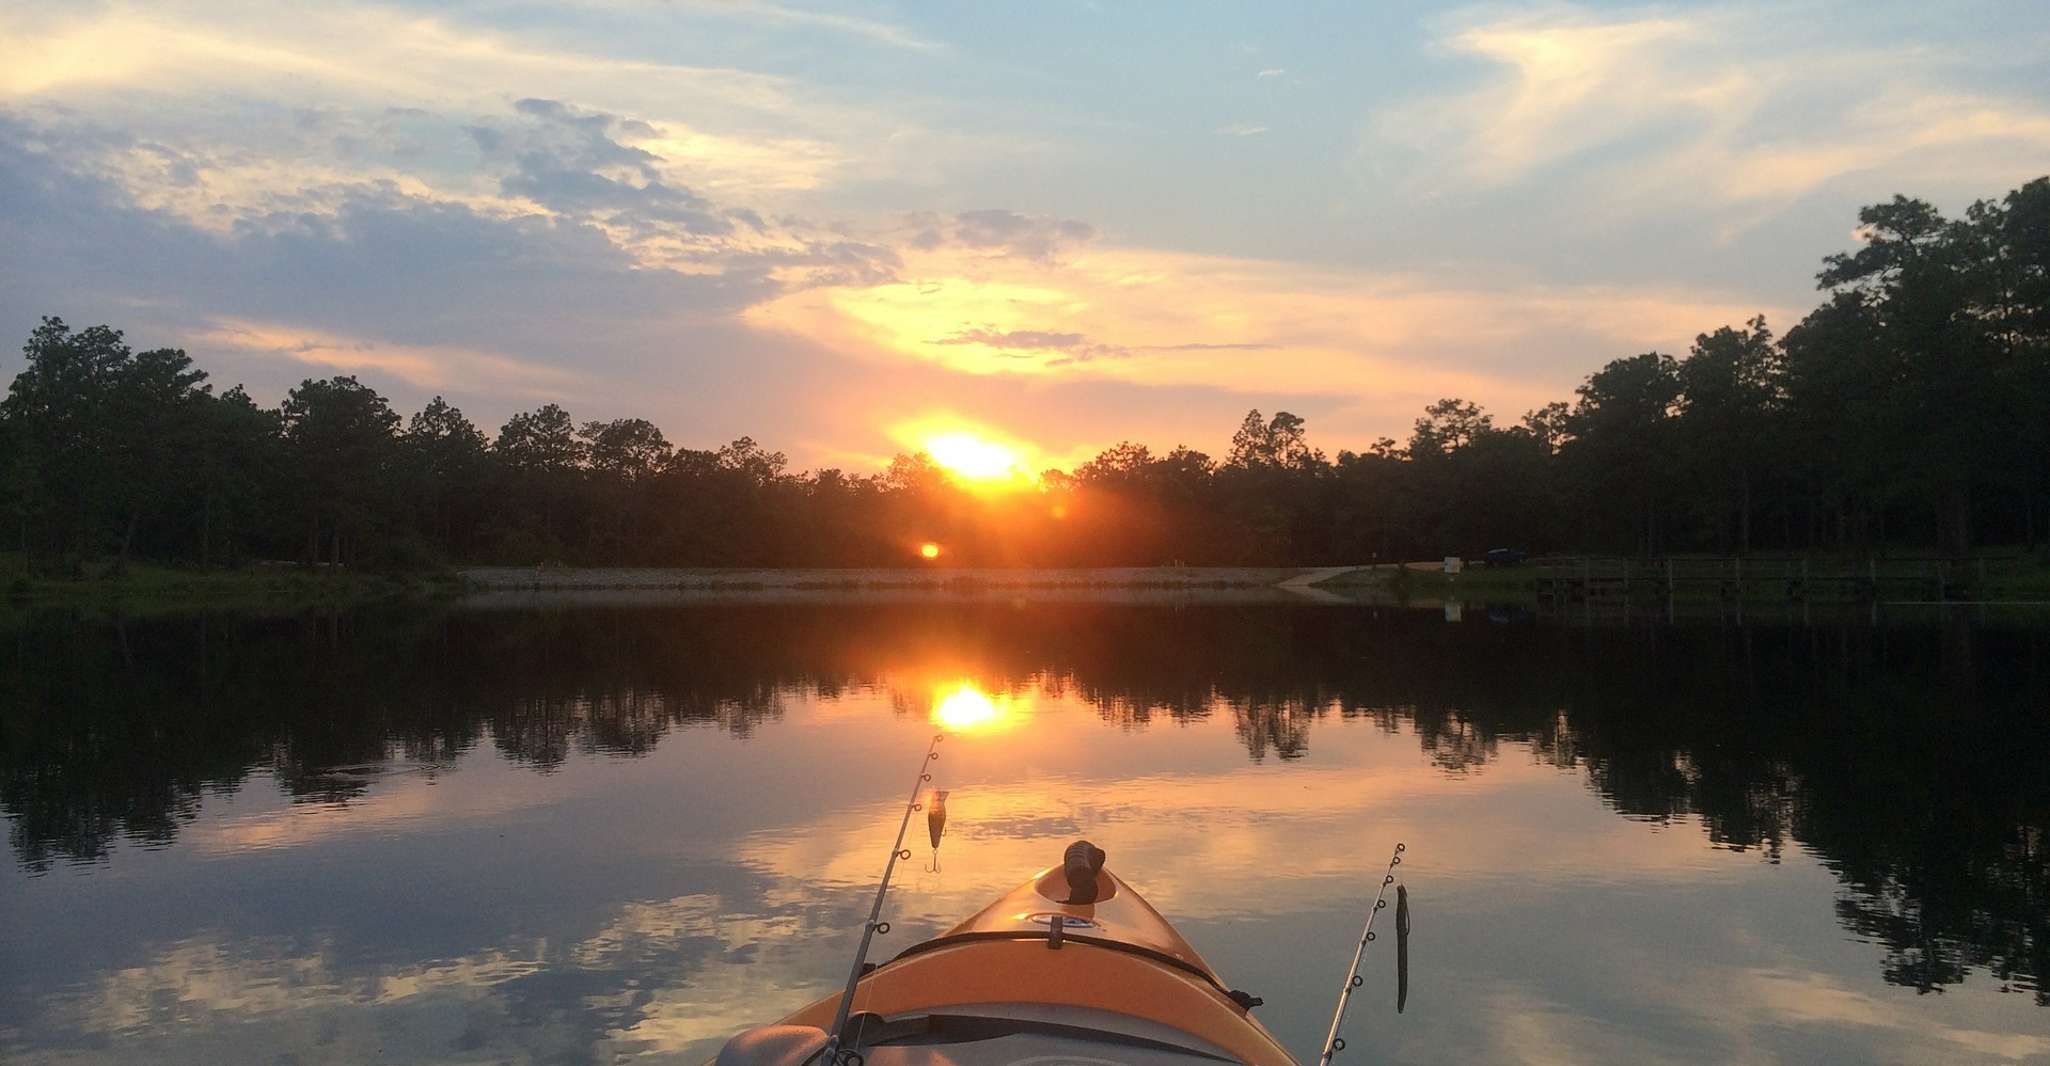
x: 929, y: 550
x: 980, y: 458
x: 975, y: 458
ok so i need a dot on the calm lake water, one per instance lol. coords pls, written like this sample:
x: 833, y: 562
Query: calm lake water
x: 608, y: 834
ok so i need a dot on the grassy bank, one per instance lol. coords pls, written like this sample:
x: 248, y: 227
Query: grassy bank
x: 2004, y: 579
x: 1516, y: 584
x: 143, y: 586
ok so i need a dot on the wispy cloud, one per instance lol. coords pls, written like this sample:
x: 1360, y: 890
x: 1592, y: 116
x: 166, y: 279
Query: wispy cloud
x: 1661, y: 109
x: 1032, y: 339
x: 1272, y: 72
x: 780, y: 15
x: 1049, y: 349
x: 1378, y: 345
x: 427, y: 367
x: 1240, y: 129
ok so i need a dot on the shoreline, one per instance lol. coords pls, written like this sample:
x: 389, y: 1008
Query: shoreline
x: 147, y: 588
x: 819, y: 579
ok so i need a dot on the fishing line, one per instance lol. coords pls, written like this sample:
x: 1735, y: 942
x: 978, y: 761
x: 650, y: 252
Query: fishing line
x: 1333, y: 1043
x: 834, y: 1054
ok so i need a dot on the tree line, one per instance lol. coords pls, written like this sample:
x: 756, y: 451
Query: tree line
x: 1911, y: 409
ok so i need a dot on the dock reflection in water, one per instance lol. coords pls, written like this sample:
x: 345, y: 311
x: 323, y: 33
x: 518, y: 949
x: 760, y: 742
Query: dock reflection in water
x: 584, y: 835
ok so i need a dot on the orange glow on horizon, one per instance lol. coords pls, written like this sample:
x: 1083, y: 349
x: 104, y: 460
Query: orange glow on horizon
x: 929, y: 550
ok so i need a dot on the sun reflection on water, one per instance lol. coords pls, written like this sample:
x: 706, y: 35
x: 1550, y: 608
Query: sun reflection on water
x: 964, y: 708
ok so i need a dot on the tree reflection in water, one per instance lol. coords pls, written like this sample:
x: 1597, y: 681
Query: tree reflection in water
x: 1908, y: 757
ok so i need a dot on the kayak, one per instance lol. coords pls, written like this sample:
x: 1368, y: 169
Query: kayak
x: 1073, y: 964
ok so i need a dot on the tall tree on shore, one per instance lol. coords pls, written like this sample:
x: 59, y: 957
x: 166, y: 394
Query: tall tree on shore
x: 1846, y: 426
x: 57, y: 406
x: 544, y: 455
x: 103, y: 432
x: 156, y: 399
x: 1729, y: 401
x: 624, y: 455
x: 236, y: 470
x: 2016, y: 301
x: 450, y: 463
x: 1621, y: 443
x: 343, y: 437
x: 1918, y: 274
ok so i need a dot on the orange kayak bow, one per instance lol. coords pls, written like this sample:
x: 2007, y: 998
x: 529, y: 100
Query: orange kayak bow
x: 1073, y: 963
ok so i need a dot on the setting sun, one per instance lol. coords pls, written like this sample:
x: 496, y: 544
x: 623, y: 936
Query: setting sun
x: 929, y: 550
x: 976, y: 459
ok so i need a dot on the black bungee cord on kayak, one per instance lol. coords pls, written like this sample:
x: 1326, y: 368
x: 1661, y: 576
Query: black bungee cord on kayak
x: 834, y: 1054
x: 1333, y: 1043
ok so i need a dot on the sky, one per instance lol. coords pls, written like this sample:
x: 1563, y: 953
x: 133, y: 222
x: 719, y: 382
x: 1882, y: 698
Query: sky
x: 843, y: 230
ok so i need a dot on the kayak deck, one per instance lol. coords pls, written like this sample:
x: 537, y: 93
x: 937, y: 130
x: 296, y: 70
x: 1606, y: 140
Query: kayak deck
x: 1114, y: 980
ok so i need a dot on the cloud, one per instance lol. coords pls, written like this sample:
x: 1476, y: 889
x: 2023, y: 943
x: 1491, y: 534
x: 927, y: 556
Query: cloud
x: 499, y: 306
x: 1072, y: 348
x: 1021, y: 338
x: 1272, y: 72
x: 1736, y: 108
x: 232, y: 73
x: 1011, y: 233
x: 1375, y: 346
x: 1240, y: 129
x: 1807, y: 998
x: 1078, y: 347
x: 574, y: 166
x: 780, y: 16
x: 359, y: 275
x: 428, y: 368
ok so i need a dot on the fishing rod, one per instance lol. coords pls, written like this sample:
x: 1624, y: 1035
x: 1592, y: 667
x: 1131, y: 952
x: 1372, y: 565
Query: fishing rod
x: 1333, y: 1043
x: 831, y: 1054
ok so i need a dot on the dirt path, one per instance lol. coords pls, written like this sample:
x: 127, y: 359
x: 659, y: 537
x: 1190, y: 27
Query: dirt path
x: 1305, y: 583
x: 1317, y: 576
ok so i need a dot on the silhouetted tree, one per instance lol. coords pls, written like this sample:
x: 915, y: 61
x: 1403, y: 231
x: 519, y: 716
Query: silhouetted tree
x: 544, y: 455
x: 452, y: 473
x: 1729, y: 406
x: 343, y: 439
x: 1620, y: 447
